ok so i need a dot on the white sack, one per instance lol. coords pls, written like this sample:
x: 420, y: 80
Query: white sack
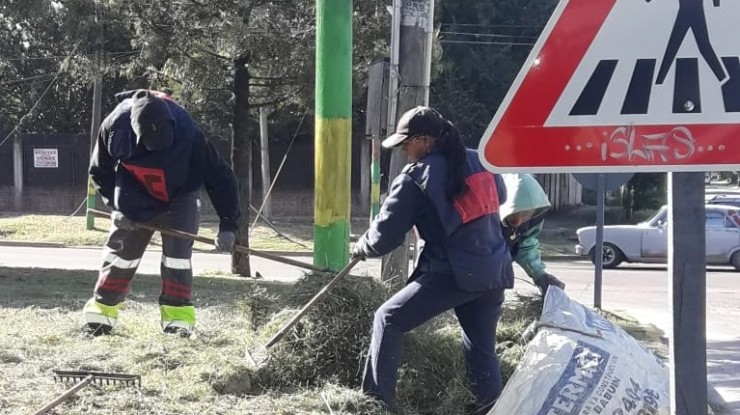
x: 579, y: 363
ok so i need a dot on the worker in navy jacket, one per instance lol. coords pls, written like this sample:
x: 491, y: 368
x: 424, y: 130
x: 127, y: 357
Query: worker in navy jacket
x: 465, y: 264
x: 149, y: 163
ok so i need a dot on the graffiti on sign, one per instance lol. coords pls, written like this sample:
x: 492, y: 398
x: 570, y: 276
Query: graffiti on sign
x: 670, y: 146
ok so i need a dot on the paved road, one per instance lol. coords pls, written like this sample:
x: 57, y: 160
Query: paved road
x: 641, y: 291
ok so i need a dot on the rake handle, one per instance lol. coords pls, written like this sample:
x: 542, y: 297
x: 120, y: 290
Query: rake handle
x: 238, y: 248
x: 69, y: 392
x: 279, y: 335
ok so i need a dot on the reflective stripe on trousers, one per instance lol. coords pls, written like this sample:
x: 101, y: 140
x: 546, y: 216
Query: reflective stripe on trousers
x: 124, y: 250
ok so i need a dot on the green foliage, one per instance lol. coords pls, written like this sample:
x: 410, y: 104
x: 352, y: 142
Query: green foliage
x: 647, y: 191
x: 188, y: 48
x: 483, y: 46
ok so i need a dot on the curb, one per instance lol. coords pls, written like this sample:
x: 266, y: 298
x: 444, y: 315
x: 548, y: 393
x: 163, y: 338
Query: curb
x: 567, y: 257
x: 564, y: 257
x: 32, y: 244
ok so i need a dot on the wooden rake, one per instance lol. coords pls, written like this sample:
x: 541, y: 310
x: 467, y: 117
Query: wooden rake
x: 238, y: 248
x: 84, y: 378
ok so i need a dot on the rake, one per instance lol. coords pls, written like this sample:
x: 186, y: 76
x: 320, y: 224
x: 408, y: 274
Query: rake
x: 84, y: 378
x: 237, y: 248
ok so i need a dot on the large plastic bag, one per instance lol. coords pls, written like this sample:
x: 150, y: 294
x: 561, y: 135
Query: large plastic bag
x: 580, y: 363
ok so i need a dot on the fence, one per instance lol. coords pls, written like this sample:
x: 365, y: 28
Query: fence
x: 55, y: 175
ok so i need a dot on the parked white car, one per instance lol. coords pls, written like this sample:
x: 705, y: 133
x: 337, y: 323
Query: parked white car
x: 647, y: 242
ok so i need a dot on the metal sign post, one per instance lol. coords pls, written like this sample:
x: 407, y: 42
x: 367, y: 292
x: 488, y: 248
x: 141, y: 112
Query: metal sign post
x: 687, y: 292
x: 599, y: 248
x: 601, y: 182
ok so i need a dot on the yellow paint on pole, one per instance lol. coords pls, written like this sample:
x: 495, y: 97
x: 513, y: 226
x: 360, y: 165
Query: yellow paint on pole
x: 333, y: 158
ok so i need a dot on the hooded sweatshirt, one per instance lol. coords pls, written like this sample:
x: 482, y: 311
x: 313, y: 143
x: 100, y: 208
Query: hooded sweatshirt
x: 525, y: 193
x: 141, y: 184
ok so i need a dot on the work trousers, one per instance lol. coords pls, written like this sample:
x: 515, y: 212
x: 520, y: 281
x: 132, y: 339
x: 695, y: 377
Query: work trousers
x: 124, y: 249
x: 428, y: 295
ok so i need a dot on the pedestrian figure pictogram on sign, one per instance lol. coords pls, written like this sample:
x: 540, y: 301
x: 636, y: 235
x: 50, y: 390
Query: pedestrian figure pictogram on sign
x: 620, y: 85
x: 691, y: 16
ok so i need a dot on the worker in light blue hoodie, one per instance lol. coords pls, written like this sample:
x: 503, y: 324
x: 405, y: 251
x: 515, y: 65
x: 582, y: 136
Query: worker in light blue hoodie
x: 522, y: 218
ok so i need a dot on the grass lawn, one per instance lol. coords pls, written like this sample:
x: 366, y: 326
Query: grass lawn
x: 295, y: 235
x: 317, y: 366
x: 315, y: 369
x: 71, y: 231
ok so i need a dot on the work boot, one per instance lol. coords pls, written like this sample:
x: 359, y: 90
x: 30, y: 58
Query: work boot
x: 180, y: 331
x: 96, y: 329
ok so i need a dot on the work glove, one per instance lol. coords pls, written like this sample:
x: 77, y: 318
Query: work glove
x: 225, y: 241
x: 356, y: 253
x: 545, y: 281
x: 121, y: 221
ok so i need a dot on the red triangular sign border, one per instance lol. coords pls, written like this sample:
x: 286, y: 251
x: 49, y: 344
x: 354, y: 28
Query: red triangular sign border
x: 517, y: 141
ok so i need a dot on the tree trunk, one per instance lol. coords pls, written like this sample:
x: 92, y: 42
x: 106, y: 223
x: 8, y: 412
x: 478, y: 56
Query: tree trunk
x: 241, y: 157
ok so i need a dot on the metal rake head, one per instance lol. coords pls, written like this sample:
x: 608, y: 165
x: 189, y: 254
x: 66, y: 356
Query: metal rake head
x: 100, y: 378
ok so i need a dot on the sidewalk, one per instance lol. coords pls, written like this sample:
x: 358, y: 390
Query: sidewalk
x: 723, y: 363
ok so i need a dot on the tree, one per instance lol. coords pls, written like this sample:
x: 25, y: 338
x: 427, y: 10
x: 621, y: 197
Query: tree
x: 192, y: 48
x: 49, y: 52
x: 482, y: 45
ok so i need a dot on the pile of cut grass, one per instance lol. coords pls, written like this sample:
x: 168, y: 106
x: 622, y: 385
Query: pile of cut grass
x: 315, y: 369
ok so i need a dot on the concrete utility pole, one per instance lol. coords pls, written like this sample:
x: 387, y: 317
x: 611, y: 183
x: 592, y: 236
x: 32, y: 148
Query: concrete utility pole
x: 375, y: 179
x: 333, y: 133
x: 376, y: 128
x: 265, y: 153
x: 97, y: 114
x: 411, y: 57
x: 94, y: 127
x: 17, y: 173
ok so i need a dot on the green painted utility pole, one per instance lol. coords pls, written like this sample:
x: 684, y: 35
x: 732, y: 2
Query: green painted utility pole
x: 375, y: 187
x: 333, y: 133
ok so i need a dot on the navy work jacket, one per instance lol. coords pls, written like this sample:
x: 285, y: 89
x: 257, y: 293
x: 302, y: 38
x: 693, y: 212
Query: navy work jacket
x: 462, y: 237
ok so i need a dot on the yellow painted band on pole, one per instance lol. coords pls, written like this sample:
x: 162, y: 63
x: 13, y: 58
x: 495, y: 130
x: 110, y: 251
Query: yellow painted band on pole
x: 375, y: 192
x: 333, y: 158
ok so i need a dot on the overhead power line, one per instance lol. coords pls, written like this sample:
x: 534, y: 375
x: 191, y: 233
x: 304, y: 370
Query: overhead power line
x: 488, y: 35
x: 491, y: 25
x: 35, y: 78
x: 32, y: 58
x: 38, y: 101
x: 482, y: 42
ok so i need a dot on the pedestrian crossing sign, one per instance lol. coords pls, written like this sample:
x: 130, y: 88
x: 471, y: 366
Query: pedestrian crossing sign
x: 625, y: 86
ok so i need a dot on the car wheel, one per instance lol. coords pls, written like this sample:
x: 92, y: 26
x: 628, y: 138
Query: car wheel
x: 612, y: 256
x: 735, y: 260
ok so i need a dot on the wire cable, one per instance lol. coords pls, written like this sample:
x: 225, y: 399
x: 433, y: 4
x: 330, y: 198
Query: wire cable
x: 277, y: 174
x: 491, y: 25
x: 472, y: 42
x: 76, y: 210
x: 38, y: 101
x: 489, y: 35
